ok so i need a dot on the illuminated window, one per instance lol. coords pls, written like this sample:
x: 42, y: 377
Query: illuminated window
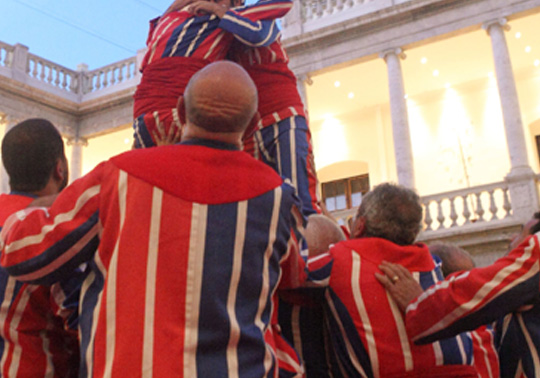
x: 346, y: 193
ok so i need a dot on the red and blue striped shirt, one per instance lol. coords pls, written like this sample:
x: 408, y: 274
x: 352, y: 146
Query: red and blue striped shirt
x: 187, y: 245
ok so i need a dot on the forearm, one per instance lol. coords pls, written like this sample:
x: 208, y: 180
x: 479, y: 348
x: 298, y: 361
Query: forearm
x: 476, y: 297
x: 250, y: 33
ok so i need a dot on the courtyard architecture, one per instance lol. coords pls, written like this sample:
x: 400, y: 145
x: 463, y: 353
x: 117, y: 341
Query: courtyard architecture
x: 439, y: 95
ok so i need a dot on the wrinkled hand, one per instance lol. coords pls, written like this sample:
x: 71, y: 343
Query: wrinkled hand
x: 202, y: 6
x: 179, y: 5
x: 45, y: 201
x: 400, y: 283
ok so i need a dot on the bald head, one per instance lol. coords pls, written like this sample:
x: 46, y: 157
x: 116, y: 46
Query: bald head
x: 454, y: 259
x: 221, y: 98
x: 320, y: 233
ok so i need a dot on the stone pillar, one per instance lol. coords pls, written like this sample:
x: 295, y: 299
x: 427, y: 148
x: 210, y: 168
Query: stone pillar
x: 84, y: 80
x: 513, y: 125
x: 8, y: 122
x: 293, y: 24
x: 400, y: 118
x: 140, y: 56
x: 521, y: 179
x: 301, y: 82
x: 19, y: 64
x: 75, y: 169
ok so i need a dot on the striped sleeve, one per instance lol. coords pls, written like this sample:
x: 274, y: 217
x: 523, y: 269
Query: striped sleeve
x: 482, y: 295
x: 42, y: 245
x: 256, y: 25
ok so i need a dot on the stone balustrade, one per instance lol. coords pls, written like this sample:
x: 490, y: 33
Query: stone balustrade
x: 52, y: 74
x: 111, y: 75
x: 316, y: 9
x: 6, y: 54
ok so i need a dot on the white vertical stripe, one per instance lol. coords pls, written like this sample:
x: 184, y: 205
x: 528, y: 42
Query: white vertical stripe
x: 181, y: 36
x: 234, y: 337
x: 361, y: 307
x: 292, y: 153
x: 350, y: 351
x: 151, y: 276
x: 110, y: 280
x: 461, y: 348
x: 193, y: 287
x: 6, y: 304
x: 278, y: 149
x: 154, y: 46
x: 484, y: 352
x: 402, y: 332
x: 530, y: 345
x: 213, y: 47
x: 265, y: 287
x: 13, y: 329
x: 439, y: 357
x: 196, y: 39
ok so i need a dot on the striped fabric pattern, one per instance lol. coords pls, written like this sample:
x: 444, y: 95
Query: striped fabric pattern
x: 483, y: 295
x: 38, y: 336
x: 189, y: 259
x: 367, y: 330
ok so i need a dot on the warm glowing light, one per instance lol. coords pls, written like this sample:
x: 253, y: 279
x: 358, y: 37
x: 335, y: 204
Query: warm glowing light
x: 423, y: 60
x: 351, y: 95
x: 447, y: 85
x: 490, y: 74
x: 537, y: 63
x: 337, y: 84
x: 126, y: 141
x: 528, y: 49
x: 332, y: 142
x: 518, y: 35
x: 436, y: 73
x: 406, y: 96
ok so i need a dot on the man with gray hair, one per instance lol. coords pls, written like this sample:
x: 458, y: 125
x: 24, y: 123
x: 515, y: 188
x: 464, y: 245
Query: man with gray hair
x: 366, y: 328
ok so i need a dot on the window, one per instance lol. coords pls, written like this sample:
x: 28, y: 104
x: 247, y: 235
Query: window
x: 346, y: 193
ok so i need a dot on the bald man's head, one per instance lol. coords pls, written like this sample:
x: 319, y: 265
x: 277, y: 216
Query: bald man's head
x: 221, y: 98
x: 320, y: 233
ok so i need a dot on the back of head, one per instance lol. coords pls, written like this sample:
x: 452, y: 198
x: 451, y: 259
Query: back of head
x: 454, y: 259
x: 30, y: 151
x: 320, y: 233
x: 391, y: 212
x: 221, y: 98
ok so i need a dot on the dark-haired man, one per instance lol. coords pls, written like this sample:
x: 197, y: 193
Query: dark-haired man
x: 34, y: 341
x: 366, y: 328
x: 187, y: 245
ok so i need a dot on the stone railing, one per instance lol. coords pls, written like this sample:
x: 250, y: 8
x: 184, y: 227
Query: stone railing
x: 110, y: 76
x: 317, y: 9
x: 6, y: 54
x: 52, y: 74
x: 467, y: 206
x: 17, y: 63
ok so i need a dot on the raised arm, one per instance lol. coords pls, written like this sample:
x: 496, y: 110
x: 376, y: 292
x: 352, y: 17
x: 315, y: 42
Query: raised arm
x: 480, y: 296
x: 254, y: 25
x: 43, y: 245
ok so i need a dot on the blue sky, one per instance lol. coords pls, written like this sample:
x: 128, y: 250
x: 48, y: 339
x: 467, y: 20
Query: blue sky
x: 69, y: 32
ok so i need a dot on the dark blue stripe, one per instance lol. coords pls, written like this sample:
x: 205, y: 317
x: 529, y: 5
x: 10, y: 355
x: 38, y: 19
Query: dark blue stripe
x: 214, y: 329
x: 58, y: 249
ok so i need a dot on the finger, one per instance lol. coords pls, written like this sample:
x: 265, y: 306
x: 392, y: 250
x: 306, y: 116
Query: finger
x: 404, y: 272
x: 384, y: 280
x: 388, y: 269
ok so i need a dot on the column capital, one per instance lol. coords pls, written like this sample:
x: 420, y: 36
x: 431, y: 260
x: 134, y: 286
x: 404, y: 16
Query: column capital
x: 77, y: 141
x: 501, y: 22
x: 398, y: 51
x: 305, y: 78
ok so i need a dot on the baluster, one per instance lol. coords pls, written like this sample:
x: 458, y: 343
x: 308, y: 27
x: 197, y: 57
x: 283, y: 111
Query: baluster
x: 427, y: 218
x: 506, y: 204
x: 440, y: 215
x: 492, y: 206
x: 57, y: 80
x: 308, y: 9
x: 105, y: 78
x: 466, y: 211
x: 42, y: 75
x: 35, y: 68
x: 479, y: 208
x: 453, y: 214
x: 113, y: 75
x: 340, y: 4
x: 74, y: 83
x: 50, y: 75
x: 97, y: 76
x: 64, y: 81
x: 120, y: 72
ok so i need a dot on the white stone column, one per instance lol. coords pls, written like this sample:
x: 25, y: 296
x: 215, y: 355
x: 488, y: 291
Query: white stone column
x: 75, y: 169
x: 301, y: 82
x: 521, y: 180
x: 400, y: 118
x: 513, y: 125
x: 9, y: 122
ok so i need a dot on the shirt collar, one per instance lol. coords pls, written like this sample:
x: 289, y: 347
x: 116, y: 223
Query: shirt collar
x: 210, y: 143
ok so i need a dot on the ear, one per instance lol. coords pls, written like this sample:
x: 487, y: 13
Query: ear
x: 181, y: 108
x: 358, y: 227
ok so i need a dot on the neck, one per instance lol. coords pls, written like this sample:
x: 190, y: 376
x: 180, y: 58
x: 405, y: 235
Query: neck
x: 192, y: 132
